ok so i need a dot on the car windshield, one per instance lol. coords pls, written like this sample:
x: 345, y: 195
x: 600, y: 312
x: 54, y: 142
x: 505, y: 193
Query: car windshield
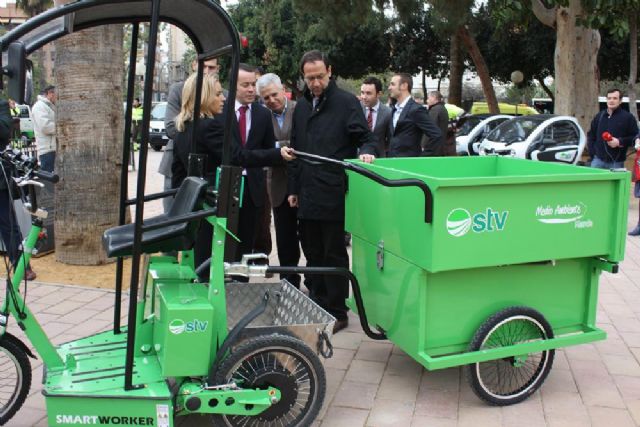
x: 158, y: 112
x: 515, y: 130
x: 468, y: 125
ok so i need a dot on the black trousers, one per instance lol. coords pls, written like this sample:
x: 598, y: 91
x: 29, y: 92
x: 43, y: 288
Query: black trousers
x: 285, y: 219
x: 323, y: 245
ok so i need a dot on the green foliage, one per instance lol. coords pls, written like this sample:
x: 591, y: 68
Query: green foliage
x: 280, y: 33
x: 417, y: 46
x: 519, y: 44
x: 34, y: 7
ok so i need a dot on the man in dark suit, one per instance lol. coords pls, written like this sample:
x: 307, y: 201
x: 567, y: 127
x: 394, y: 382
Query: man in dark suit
x: 409, y: 122
x: 285, y: 217
x: 328, y: 122
x: 378, y: 115
x: 253, y: 134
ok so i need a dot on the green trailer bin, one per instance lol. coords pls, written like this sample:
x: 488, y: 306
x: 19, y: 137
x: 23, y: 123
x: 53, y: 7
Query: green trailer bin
x: 493, y: 264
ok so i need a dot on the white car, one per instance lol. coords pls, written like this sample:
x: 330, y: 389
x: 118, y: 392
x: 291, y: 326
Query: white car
x: 544, y: 137
x: 474, y: 129
x: 157, y: 133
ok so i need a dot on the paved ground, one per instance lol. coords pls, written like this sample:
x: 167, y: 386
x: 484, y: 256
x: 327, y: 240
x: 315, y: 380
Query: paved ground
x: 376, y: 384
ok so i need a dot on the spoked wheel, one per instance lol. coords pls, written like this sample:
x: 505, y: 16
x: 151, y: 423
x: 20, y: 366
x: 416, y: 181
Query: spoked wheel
x: 511, y: 379
x: 15, y: 378
x: 278, y: 361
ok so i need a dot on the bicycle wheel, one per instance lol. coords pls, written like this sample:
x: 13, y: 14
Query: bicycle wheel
x: 278, y: 361
x: 511, y: 379
x: 15, y: 377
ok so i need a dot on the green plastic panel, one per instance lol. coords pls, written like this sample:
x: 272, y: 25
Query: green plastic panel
x: 435, y: 314
x: 183, y: 329
x: 490, y: 211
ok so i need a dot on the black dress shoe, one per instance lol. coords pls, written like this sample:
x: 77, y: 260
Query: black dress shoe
x: 340, y: 325
x: 635, y: 231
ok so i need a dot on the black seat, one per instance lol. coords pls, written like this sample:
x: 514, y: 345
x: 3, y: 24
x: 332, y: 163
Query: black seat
x: 118, y: 241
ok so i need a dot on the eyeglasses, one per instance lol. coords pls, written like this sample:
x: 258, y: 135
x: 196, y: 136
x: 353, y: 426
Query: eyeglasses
x: 311, y: 79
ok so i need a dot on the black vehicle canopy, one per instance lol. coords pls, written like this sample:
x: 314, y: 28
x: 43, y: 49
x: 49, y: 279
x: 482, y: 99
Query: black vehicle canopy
x: 212, y: 33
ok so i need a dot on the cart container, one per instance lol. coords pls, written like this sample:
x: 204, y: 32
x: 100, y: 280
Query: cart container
x: 491, y: 233
x: 489, y: 211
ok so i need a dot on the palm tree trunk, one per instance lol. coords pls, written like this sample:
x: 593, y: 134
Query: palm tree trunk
x: 633, y: 66
x: 89, y: 68
x: 481, y: 67
x: 456, y: 70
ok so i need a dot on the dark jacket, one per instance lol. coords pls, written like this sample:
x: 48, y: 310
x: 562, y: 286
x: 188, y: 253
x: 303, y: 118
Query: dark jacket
x: 209, y: 140
x: 5, y: 125
x: 621, y: 124
x: 259, y: 151
x: 335, y: 129
x: 406, y: 137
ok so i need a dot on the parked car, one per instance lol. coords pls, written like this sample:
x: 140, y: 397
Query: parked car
x: 157, y: 133
x: 515, y: 110
x: 26, y: 123
x: 545, y: 137
x: 473, y: 129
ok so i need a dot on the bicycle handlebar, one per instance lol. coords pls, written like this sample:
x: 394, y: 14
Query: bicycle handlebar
x: 26, y: 166
x: 47, y: 176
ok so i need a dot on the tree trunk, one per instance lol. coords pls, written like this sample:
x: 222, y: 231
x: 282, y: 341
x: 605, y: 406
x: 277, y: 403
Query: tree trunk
x: 455, y: 71
x: 546, y: 89
x: 633, y: 66
x: 481, y: 67
x: 424, y: 86
x: 89, y: 68
x: 576, y: 69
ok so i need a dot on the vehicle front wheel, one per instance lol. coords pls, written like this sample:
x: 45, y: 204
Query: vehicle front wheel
x: 156, y: 147
x: 279, y: 361
x: 15, y: 377
x: 511, y: 379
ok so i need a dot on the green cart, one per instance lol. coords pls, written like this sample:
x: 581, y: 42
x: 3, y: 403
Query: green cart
x: 486, y: 262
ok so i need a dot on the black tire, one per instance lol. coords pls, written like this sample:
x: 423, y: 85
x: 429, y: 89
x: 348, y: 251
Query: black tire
x: 259, y: 363
x: 15, y: 378
x: 508, y: 380
x: 156, y: 147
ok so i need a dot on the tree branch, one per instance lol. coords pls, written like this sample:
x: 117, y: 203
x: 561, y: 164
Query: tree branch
x: 545, y: 15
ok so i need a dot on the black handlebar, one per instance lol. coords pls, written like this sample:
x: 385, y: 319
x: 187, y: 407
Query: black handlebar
x: 27, y: 166
x: 47, y: 176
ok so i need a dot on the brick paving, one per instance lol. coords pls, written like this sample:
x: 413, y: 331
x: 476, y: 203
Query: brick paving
x: 372, y: 383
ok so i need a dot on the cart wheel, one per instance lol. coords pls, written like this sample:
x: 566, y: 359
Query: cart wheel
x: 278, y: 361
x: 15, y: 378
x: 511, y: 379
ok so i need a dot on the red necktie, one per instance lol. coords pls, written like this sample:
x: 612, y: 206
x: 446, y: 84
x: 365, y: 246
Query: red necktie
x: 243, y: 124
x: 370, y: 119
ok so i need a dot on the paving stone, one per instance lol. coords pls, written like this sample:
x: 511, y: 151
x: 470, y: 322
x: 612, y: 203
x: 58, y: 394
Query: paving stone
x: 341, y: 359
x: 442, y: 379
x: 614, y: 346
x: 437, y: 403
x: 390, y: 413
x: 599, y: 391
x: 479, y: 416
x: 355, y: 395
x: 345, y: 417
x: 607, y: 417
x: 564, y: 409
x: 528, y: 413
x: 629, y: 387
x: 365, y: 371
x: 560, y: 380
x: 403, y: 366
x: 347, y: 340
x: 28, y: 417
x: 427, y: 421
x: 621, y: 365
x: 374, y: 351
x: 398, y: 388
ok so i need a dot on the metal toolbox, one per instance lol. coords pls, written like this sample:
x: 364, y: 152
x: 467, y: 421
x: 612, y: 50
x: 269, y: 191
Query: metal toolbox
x: 288, y: 312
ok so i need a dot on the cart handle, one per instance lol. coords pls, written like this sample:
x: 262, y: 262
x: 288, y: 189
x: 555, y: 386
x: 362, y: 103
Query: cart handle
x: 409, y: 182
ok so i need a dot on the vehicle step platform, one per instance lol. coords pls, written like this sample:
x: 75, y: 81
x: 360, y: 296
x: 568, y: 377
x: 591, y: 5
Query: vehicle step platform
x: 90, y: 390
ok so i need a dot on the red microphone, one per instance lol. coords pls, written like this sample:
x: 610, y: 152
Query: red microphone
x: 607, y: 136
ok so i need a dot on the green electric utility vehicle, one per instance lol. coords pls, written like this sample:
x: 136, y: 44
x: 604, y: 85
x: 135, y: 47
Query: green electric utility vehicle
x: 238, y: 353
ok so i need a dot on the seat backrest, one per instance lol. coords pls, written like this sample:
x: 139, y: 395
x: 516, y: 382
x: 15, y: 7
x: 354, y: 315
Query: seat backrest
x: 189, y: 196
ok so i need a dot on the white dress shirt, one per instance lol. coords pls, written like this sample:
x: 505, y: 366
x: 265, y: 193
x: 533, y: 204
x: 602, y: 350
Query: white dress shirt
x: 398, y: 111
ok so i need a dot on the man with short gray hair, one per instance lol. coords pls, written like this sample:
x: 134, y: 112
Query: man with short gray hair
x: 285, y: 217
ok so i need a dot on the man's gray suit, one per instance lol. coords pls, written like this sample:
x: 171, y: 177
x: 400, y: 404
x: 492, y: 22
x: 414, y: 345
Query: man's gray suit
x: 285, y: 218
x: 382, y: 128
x: 174, y: 103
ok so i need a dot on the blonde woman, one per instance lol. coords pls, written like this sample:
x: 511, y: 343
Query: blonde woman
x: 210, y: 129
